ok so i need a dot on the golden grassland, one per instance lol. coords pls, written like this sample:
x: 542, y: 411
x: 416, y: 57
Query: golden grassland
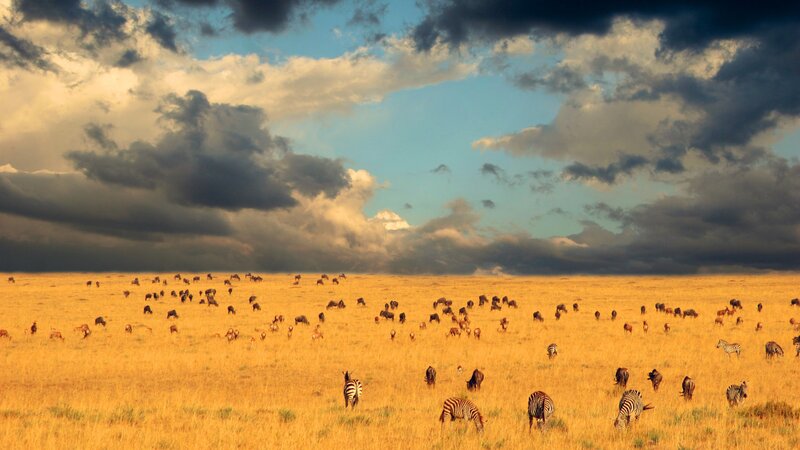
x: 192, y: 390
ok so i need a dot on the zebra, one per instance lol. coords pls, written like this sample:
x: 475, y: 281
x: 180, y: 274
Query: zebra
x: 461, y: 408
x: 773, y: 349
x: 656, y: 378
x: 796, y: 342
x: 430, y: 376
x: 540, y: 407
x: 352, y: 391
x: 729, y: 348
x: 736, y: 393
x: 631, y: 406
x: 688, y: 388
x: 552, y: 351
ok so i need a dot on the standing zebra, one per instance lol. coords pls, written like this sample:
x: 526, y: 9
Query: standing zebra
x: 656, y: 378
x: 796, y: 342
x: 352, y: 391
x: 631, y: 406
x: 729, y: 348
x: 736, y: 393
x: 430, y: 376
x: 552, y: 351
x: 540, y: 407
x: 461, y: 408
x: 773, y: 349
x: 688, y: 388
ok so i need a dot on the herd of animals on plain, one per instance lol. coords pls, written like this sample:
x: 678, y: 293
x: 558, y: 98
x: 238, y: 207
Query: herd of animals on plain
x: 540, y: 405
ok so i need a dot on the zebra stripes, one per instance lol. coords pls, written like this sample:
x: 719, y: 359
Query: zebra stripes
x: 736, y: 393
x: 540, y: 407
x: 461, y: 408
x: 352, y: 391
x: 729, y: 348
x: 552, y: 351
x: 631, y: 407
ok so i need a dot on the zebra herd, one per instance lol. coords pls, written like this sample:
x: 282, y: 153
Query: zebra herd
x: 541, y: 406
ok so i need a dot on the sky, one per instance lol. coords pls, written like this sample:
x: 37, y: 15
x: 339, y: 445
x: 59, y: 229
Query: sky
x: 435, y: 136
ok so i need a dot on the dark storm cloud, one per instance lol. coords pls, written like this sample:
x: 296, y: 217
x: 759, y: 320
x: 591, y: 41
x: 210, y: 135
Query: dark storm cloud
x: 18, y: 52
x: 99, y: 135
x: 602, y: 209
x: 441, y: 168
x: 368, y: 13
x: 542, y: 181
x: 215, y: 155
x: 488, y: 204
x: 688, y: 25
x: 71, y: 199
x: 102, y: 22
x: 128, y: 58
x: 160, y: 28
x: 625, y: 165
x: 561, y: 79
x: 252, y: 16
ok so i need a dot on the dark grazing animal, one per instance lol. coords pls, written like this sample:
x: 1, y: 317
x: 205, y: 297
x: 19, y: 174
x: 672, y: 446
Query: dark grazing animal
x: 402, y: 317
x: 301, y: 319
x: 597, y: 315
x: 656, y: 378
x: 643, y: 310
x: 795, y: 302
x: 537, y: 316
x: 474, y: 383
x: 552, y: 351
x: 628, y: 328
x: 231, y: 310
x: 621, y: 377
x: 760, y: 307
x: 631, y: 407
x: 773, y: 349
x: 430, y: 376
x: 735, y: 304
x: 352, y: 391
x: 688, y: 388
x: 322, y: 317
x: 173, y: 329
x: 388, y: 315
x: 361, y: 301
x: 100, y: 321
x: 540, y: 407
x: 461, y: 408
x: 256, y: 307
x: 332, y: 304
x: 435, y: 317
x: 34, y: 328
x: 690, y: 313
x: 575, y: 307
x: 614, y: 315
x: 172, y: 314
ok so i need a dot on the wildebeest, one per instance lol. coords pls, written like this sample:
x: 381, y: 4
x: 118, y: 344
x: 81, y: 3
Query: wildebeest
x: 335, y: 281
x: 537, y: 316
x: 341, y: 304
x: 34, y: 328
x: 628, y: 328
x: 402, y: 317
x: 128, y: 328
x: 301, y: 319
x: 735, y: 304
x: 430, y: 376
x: 100, y: 321
x: 597, y: 315
x: 447, y: 310
x: 320, y: 282
x: 470, y: 304
x: 677, y: 312
x: 575, y: 307
x: 56, y: 335
x: 795, y: 302
x: 435, y: 317
x: 561, y: 307
x: 621, y: 377
x: 172, y: 314
x: 388, y: 315
x: 773, y: 349
x: 252, y: 299
x: 656, y: 378
x: 360, y: 301
x: 759, y: 326
x: 558, y: 315
x: 256, y: 307
x: 760, y: 307
x: 11, y: 280
x: 322, y: 317
x: 690, y: 313
x: 454, y: 332
x: 332, y: 304
x: 231, y: 310
x: 474, y: 383
x: 4, y: 334
x: 643, y: 310
x: 614, y: 314
x: 212, y: 302
x: 173, y: 329
x: 666, y: 328
x: 126, y: 294
x: 688, y: 388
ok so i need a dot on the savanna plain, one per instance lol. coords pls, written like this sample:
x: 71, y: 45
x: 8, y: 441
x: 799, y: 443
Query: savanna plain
x: 195, y: 389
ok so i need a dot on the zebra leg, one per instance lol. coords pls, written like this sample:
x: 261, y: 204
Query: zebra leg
x: 355, y: 402
x: 530, y: 423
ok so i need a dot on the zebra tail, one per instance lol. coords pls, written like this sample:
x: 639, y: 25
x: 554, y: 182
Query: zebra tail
x: 648, y: 406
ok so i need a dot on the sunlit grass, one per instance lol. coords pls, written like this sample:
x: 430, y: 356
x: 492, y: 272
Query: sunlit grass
x: 153, y: 389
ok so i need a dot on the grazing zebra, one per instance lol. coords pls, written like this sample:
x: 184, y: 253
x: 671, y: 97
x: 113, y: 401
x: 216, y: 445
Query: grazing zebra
x: 729, y: 348
x: 552, y: 351
x: 688, y: 388
x: 796, y: 342
x: 736, y: 393
x: 773, y: 349
x: 656, y: 378
x: 631, y: 406
x: 621, y: 377
x: 540, y: 407
x: 430, y: 376
x: 352, y: 391
x: 461, y: 408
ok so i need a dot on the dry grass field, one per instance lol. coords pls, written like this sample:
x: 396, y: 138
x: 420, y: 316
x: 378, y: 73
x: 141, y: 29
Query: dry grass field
x: 153, y: 389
